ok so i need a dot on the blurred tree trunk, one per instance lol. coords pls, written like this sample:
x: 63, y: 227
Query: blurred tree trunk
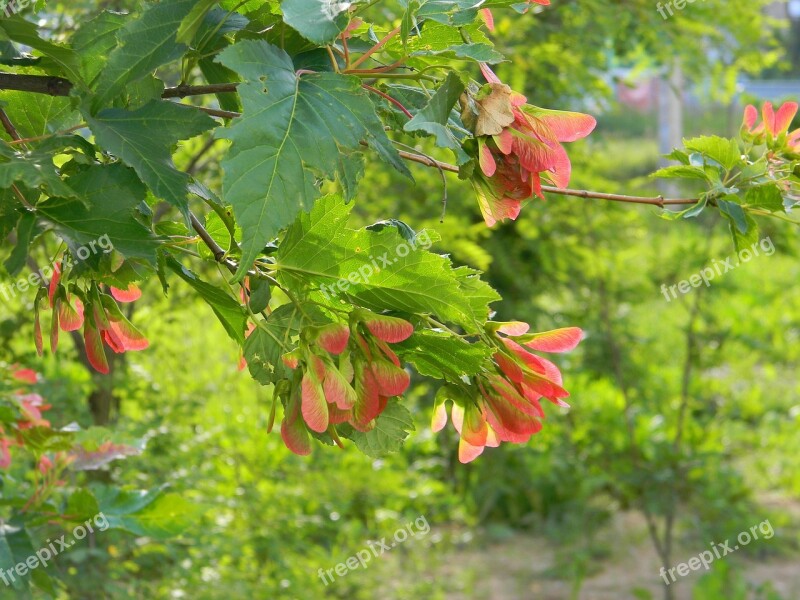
x: 670, y: 120
x: 103, y: 404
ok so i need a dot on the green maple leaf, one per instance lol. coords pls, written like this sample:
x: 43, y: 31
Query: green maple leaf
x: 449, y: 12
x: 145, y: 44
x: 478, y: 293
x: 724, y: 151
x: 227, y: 309
x: 767, y: 196
x: 194, y: 20
x: 109, y: 195
x: 26, y: 232
x: 320, y: 21
x: 294, y: 128
x: 147, y: 513
x: 266, y: 344
x: 18, y: 29
x: 389, y: 272
x: 38, y: 114
x: 142, y: 139
x: 391, y: 429
x: 434, y: 118
x: 443, y: 356
x: 95, y: 40
x: 33, y: 171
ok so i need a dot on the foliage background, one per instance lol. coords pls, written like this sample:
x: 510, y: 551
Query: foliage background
x: 555, y: 518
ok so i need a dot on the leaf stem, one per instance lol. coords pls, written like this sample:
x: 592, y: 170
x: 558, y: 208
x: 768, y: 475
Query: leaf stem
x: 364, y: 7
x: 334, y: 62
x: 386, y: 96
x: 381, y: 75
x: 215, y: 112
x: 437, y: 325
x: 376, y: 47
x: 766, y: 213
x: 345, y: 51
x: 396, y: 64
x: 292, y: 298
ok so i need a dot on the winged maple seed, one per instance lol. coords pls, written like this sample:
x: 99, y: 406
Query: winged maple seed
x: 102, y: 321
x: 30, y: 406
x: 774, y: 127
x: 85, y: 460
x: 489, y: 111
x: 517, y: 145
x: 344, y: 373
x: 504, y: 405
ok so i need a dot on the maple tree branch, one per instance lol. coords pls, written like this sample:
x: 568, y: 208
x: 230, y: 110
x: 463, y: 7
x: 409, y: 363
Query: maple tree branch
x: 656, y: 201
x: 37, y: 84
x: 216, y: 249
x: 58, y: 86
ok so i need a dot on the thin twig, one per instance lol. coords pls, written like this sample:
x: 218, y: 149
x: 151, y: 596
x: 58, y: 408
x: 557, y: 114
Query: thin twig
x: 656, y: 201
x: 14, y: 135
x: 441, y: 174
x: 191, y: 168
x: 184, y: 91
x: 9, y: 126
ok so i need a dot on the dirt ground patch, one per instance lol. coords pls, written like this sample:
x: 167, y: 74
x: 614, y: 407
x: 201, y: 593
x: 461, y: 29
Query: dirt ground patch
x: 528, y: 567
